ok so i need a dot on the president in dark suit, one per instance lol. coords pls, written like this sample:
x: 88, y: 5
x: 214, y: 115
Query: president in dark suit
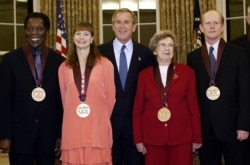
x: 244, y: 42
x: 31, y: 107
x: 222, y: 92
x: 137, y: 58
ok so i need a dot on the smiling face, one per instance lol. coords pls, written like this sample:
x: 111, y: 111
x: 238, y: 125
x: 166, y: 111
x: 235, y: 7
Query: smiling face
x: 35, y: 33
x: 165, y: 51
x: 123, y: 26
x: 83, y: 39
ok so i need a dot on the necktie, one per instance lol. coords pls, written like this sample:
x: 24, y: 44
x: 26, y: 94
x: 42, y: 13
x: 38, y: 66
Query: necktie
x: 212, y: 62
x: 38, y: 65
x: 123, y: 66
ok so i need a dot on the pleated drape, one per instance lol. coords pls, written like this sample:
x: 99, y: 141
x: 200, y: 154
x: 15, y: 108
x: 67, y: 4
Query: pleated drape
x: 74, y: 12
x: 178, y: 16
x: 175, y: 15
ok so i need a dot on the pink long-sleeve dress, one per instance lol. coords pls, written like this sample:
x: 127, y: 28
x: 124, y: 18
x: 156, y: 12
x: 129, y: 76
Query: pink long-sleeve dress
x: 88, y: 140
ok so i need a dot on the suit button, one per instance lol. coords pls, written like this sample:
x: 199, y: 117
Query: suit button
x: 165, y: 124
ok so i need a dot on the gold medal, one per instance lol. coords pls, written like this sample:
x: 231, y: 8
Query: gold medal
x: 38, y: 94
x: 213, y: 93
x: 83, y: 110
x: 164, y: 114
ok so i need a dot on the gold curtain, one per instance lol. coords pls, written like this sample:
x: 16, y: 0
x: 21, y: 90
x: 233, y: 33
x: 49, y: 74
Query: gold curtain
x: 74, y: 11
x: 178, y: 16
x: 175, y: 15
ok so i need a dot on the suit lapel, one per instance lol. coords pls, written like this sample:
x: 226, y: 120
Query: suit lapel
x: 205, y: 57
x: 109, y: 53
x: 247, y: 42
x: 24, y: 57
x: 133, y: 67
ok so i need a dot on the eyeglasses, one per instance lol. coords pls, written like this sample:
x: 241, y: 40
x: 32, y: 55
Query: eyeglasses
x: 37, y: 29
x: 162, y: 45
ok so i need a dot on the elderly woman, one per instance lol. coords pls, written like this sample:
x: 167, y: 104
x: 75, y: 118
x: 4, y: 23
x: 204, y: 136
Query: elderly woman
x: 166, y: 118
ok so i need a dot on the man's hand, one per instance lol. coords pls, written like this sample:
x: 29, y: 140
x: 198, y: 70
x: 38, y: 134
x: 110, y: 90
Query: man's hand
x: 242, y: 135
x: 141, y: 148
x: 5, y: 145
x: 196, y: 146
x: 58, y: 147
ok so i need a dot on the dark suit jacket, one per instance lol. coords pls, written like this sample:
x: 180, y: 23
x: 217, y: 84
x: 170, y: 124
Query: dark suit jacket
x: 121, y: 118
x: 231, y: 111
x: 243, y: 41
x: 22, y: 118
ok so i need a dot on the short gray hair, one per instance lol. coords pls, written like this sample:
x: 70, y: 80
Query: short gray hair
x: 153, y: 43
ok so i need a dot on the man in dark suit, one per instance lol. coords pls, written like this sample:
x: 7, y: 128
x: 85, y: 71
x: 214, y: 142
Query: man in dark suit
x: 138, y: 57
x: 244, y: 42
x: 222, y: 92
x: 31, y: 107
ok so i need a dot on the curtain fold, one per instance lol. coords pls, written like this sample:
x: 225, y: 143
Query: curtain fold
x: 178, y: 16
x: 175, y: 15
x: 74, y: 11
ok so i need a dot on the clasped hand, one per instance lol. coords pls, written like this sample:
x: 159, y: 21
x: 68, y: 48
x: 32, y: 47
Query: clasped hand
x: 5, y: 145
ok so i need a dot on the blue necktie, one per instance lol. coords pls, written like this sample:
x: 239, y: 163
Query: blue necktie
x: 212, y: 62
x: 38, y: 65
x: 123, y: 66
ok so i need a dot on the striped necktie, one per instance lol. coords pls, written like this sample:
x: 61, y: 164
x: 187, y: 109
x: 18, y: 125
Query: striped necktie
x: 212, y: 62
x: 123, y: 69
x: 38, y: 65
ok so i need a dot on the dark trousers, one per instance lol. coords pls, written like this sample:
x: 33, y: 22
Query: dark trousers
x: 212, y: 151
x: 30, y: 159
x: 124, y: 152
x: 40, y: 154
x: 246, y: 151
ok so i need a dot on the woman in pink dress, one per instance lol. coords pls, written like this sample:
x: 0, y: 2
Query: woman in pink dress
x: 88, y: 94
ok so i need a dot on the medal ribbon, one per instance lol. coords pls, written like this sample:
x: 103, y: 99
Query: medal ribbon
x: 205, y: 57
x: 163, y: 90
x: 31, y: 61
x: 78, y: 80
